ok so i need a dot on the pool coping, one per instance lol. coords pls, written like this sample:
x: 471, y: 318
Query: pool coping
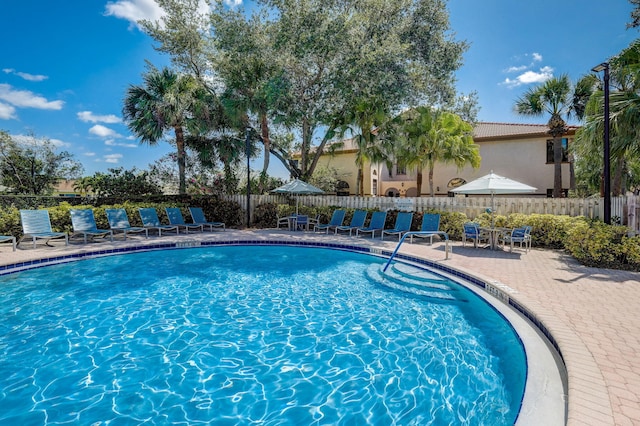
x: 491, y: 290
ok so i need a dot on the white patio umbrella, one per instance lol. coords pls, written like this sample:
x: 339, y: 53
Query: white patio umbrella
x: 492, y: 184
x: 297, y: 187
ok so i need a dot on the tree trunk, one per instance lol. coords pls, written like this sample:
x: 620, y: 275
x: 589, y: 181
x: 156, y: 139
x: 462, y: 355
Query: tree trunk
x: 264, y: 133
x: 431, y: 191
x: 306, y: 143
x: 616, y: 187
x: 557, y: 168
x: 419, y: 182
x: 360, y: 182
x: 182, y: 186
x: 572, y: 173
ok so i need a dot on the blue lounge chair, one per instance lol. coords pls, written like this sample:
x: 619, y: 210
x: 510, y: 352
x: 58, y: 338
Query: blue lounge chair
x: 198, y: 218
x: 336, y: 220
x: 150, y: 220
x: 376, y: 225
x: 36, y: 225
x: 357, y: 221
x: 471, y: 231
x: 84, y: 223
x: 403, y: 224
x: 8, y: 239
x: 430, y: 223
x: 175, y: 218
x: 119, y: 222
x: 520, y: 235
x: 302, y: 222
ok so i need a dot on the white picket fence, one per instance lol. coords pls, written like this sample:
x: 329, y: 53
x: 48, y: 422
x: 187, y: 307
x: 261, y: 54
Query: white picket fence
x: 624, y: 210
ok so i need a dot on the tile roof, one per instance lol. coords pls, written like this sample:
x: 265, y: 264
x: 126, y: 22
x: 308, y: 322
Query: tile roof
x: 485, y: 130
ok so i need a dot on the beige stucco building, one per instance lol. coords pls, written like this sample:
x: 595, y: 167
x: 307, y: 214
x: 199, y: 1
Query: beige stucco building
x: 519, y: 151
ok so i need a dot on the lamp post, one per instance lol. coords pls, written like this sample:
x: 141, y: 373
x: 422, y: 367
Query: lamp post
x: 248, y: 152
x: 606, y: 172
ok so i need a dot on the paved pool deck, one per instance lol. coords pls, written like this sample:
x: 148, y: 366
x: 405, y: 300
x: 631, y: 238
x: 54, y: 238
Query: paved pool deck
x: 593, y: 314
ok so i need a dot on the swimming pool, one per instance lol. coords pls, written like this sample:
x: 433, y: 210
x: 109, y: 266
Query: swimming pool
x: 240, y: 335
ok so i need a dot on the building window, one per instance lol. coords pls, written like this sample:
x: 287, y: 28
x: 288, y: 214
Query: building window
x: 565, y: 192
x: 374, y: 187
x: 401, y: 169
x: 342, y: 188
x: 565, y: 146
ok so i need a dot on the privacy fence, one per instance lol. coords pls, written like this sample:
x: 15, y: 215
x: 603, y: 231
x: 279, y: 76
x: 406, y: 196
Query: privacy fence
x: 624, y: 210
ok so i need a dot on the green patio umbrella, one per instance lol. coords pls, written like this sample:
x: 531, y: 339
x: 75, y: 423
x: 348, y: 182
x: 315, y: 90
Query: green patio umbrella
x: 297, y: 187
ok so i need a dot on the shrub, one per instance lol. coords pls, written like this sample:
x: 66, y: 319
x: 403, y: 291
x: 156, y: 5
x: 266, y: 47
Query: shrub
x: 265, y: 215
x: 597, y: 244
x: 451, y: 223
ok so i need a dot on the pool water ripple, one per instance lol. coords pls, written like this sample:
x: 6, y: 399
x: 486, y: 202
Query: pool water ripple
x: 268, y: 335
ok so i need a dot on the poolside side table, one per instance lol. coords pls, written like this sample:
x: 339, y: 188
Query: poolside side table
x: 494, y: 235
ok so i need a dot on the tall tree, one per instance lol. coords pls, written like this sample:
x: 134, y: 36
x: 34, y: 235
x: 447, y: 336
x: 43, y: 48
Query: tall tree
x: 166, y: 101
x: 428, y: 136
x: 326, y: 56
x: 32, y: 166
x: 624, y: 103
x: 553, y: 97
x: 635, y: 14
x: 364, y: 119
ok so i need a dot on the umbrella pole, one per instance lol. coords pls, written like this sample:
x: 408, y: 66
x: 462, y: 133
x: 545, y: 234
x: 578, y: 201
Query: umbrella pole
x: 492, y: 211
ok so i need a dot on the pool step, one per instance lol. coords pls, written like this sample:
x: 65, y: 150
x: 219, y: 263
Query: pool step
x: 410, y: 284
x: 413, y: 272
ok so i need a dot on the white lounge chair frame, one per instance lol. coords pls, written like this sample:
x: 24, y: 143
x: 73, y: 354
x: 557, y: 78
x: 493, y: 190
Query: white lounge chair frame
x: 36, y: 225
x: 197, y: 215
x: 175, y: 218
x: 150, y: 220
x: 119, y: 222
x: 8, y: 239
x: 84, y: 223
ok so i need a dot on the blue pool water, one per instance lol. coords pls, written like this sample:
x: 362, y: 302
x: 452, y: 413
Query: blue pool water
x: 269, y: 335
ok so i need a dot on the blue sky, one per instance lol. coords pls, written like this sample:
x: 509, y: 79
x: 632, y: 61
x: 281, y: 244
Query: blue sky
x: 65, y: 66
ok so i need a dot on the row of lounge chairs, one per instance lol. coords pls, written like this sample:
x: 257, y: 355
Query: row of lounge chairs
x: 430, y: 223
x: 36, y: 224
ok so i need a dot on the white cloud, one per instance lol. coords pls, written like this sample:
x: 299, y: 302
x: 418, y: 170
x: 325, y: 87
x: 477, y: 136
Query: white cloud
x: 35, y: 141
x: 516, y: 69
x: 7, y: 112
x: 89, y: 154
x: 103, y: 131
x: 27, y: 99
x: 89, y: 117
x: 112, y: 158
x: 536, y: 57
x: 26, y: 76
x: 137, y: 10
x: 111, y: 142
x: 530, y: 77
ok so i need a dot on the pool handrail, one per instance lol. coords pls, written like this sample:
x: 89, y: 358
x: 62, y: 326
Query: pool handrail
x: 441, y: 233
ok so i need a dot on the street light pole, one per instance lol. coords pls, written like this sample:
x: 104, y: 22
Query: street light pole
x: 248, y: 153
x: 606, y: 172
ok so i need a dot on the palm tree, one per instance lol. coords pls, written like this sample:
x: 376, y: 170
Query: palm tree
x: 364, y: 119
x: 167, y: 101
x: 553, y: 97
x: 429, y: 136
x: 624, y: 103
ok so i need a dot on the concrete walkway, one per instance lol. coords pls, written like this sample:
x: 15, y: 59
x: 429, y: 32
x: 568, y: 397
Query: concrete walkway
x: 593, y: 314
